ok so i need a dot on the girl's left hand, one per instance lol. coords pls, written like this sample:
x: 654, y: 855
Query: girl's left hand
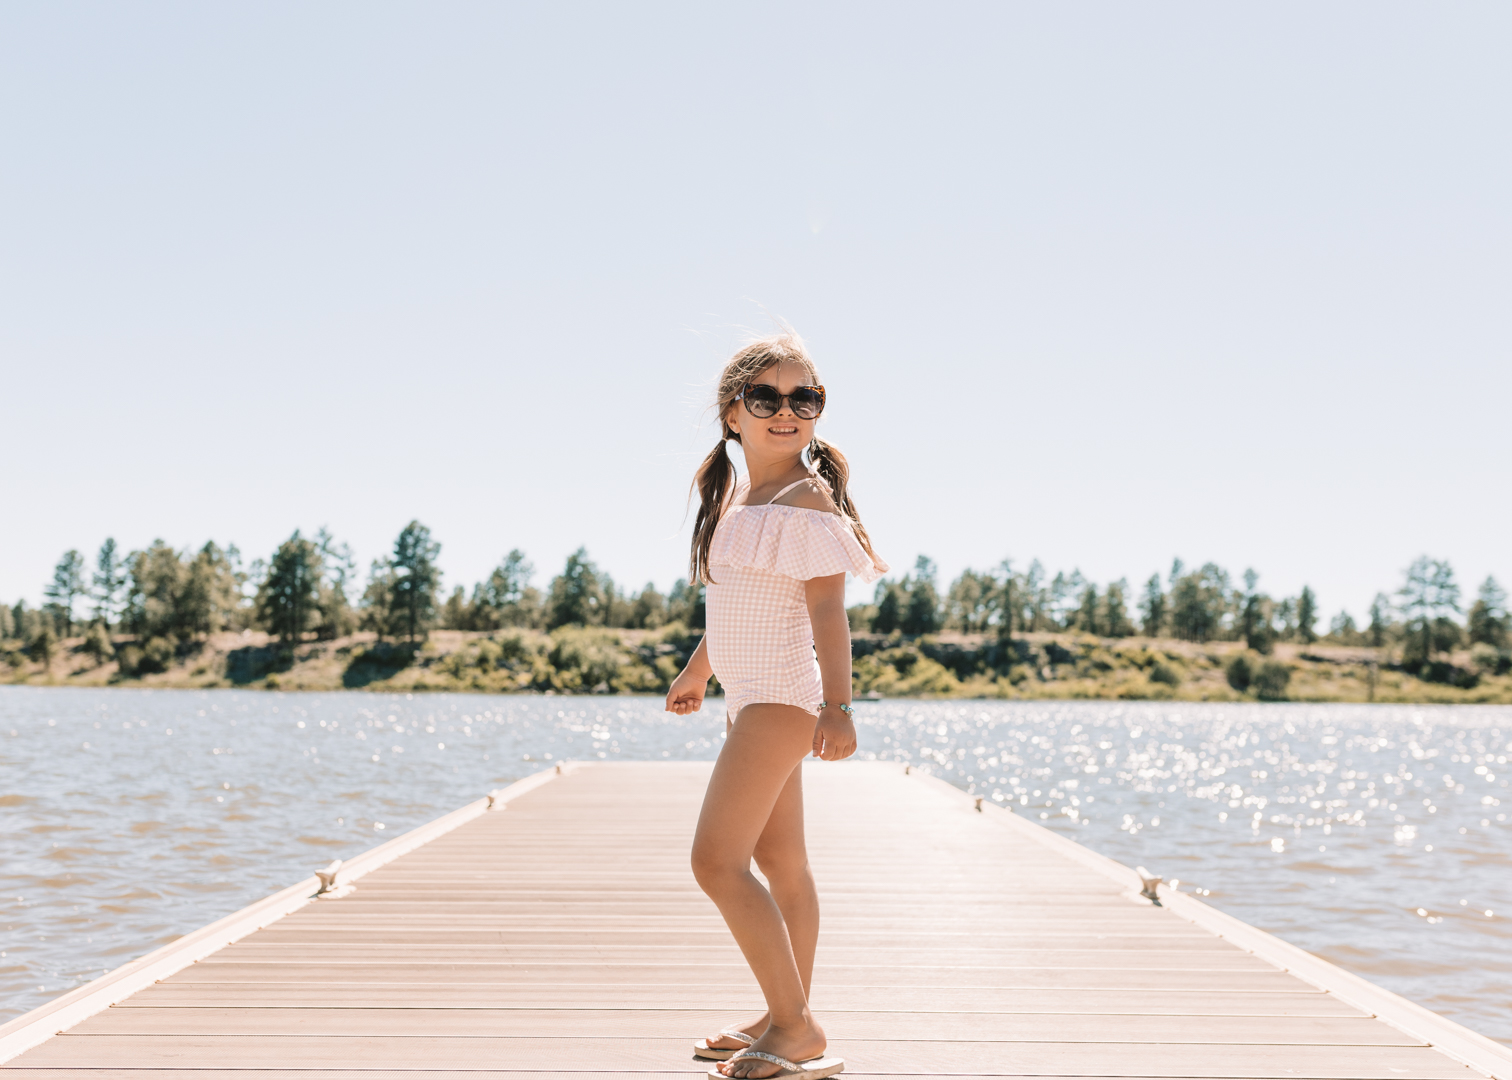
x: 834, y: 735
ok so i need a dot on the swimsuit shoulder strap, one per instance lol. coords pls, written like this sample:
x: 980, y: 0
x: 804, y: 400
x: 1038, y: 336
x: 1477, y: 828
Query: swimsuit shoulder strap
x: 795, y: 483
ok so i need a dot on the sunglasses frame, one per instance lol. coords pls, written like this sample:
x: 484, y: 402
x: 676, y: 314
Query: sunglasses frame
x: 783, y: 399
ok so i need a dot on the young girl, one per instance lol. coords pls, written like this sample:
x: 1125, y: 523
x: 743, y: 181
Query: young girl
x: 773, y: 552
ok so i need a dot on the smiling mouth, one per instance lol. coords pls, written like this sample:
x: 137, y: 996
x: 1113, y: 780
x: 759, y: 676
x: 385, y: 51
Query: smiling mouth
x: 783, y: 430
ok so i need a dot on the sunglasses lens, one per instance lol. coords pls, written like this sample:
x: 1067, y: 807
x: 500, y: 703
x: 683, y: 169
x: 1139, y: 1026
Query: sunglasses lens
x: 762, y: 400
x: 808, y: 402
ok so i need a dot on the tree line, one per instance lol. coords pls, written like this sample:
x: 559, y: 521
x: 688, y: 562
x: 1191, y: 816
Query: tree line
x: 163, y: 598
x: 1421, y: 617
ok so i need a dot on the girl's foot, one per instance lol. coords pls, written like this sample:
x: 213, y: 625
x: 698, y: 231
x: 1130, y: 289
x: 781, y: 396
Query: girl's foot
x: 795, y: 1044
x: 754, y: 1029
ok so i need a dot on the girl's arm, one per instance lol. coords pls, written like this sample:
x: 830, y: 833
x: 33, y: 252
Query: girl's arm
x: 688, y: 689
x: 835, y: 735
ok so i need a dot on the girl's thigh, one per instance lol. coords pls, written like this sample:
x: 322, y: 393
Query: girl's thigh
x: 765, y: 745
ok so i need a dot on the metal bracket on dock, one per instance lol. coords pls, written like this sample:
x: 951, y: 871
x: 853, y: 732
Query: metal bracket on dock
x: 979, y: 804
x: 493, y: 800
x: 1150, y: 881
x: 329, y: 889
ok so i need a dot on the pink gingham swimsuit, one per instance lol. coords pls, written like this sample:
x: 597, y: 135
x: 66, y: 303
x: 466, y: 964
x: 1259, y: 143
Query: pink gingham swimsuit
x: 761, y: 644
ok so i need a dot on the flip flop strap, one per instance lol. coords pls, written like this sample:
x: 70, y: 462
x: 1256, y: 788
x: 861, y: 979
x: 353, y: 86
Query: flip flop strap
x: 773, y: 1058
x: 736, y: 1033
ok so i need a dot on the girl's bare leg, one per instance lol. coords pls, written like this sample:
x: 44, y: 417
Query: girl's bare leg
x: 761, y: 754
x: 784, y: 862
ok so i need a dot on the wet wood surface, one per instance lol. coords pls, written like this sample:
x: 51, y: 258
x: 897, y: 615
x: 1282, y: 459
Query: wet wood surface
x: 565, y: 936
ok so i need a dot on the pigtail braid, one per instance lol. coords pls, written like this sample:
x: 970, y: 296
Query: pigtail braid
x: 835, y: 470
x: 713, y: 482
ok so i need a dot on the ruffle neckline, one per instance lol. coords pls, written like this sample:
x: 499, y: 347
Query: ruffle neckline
x: 793, y: 541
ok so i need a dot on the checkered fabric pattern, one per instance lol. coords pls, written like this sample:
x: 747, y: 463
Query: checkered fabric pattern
x: 761, y: 644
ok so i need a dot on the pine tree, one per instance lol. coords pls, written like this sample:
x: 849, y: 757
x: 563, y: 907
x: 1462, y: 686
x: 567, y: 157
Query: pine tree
x: 1307, y: 616
x: 211, y: 594
x: 1487, y: 619
x: 649, y: 609
x: 288, y: 602
x: 1088, y: 617
x: 1007, y: 601
x: 155, y: 585
x: 66, y: 587
x: 417, y: 580
x: 1152, y: 608
x: 685, y: 604
x: 109, y: 582
x: 1199, y: 602
x: 971, y: 602
x: 1429, y: 594
x: 1254, y: 617
x: 921, y: 615
x: 577, y: 594
x: 1036, y: 598
x: 1380, y: 621
x: 378, y: 607
x: 1286, y: 619
x: 1115, y: 610
x: 338, y: 570
x: 618, y: 607
x: 456, y: 613
x: 890, y: 596
x: 506, y: 598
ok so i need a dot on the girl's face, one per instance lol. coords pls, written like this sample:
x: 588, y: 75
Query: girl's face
x: 778, y: 435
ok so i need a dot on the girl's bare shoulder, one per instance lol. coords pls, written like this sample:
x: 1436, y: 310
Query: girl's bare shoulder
x: 810, y: 495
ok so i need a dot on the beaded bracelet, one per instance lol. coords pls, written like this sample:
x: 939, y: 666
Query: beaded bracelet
x: 842, y: 706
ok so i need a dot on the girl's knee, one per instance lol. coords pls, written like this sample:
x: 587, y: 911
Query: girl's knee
x: 712, y: 868
x: 783, y: 867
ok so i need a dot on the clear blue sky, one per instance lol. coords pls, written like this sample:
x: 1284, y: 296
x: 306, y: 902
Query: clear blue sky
x: 1097, y: 283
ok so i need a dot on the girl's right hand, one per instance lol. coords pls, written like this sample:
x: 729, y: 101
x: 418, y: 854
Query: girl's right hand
x: 687, y: 694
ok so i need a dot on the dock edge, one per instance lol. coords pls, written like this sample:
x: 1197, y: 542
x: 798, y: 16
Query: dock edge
x: 1464, y: 1045
x: 57, y: 1016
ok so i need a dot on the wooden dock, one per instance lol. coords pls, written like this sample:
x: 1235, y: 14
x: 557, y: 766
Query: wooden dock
x: 565, y: 935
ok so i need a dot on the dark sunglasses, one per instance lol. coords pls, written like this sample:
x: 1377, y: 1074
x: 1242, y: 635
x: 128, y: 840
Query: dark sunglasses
x: 762, y: 400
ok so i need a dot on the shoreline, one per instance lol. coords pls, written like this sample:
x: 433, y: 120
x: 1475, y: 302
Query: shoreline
x: 593, y: 660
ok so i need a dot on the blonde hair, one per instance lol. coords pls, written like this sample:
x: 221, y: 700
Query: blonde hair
x: 715, y: 479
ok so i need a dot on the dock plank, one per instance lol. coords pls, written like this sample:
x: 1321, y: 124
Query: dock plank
x: 565, y: 937
x: 869, y: 1056
x: 676, y: 1023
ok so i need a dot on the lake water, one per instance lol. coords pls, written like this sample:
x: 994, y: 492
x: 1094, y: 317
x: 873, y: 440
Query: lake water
x: 1375, y: 836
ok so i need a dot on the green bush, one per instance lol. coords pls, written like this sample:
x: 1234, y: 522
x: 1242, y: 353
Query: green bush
x: 98, y: 645
x: 42, y: 645
x: 1240, y: 673
x: 584, y: 659
x: 930, y: 677
x: 130, y: 658
x: 516, y: 647
x: 1165, y: 673
x: 1272, y: 680
x: 1441, y: 671
x: 1489, y: 660
x: 157, y: 656
x: 489, y: 655
x: 378, y: 661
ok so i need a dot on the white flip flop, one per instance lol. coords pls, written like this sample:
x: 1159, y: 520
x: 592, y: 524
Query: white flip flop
x: 812, y: 1069
x: 702, y: 1049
